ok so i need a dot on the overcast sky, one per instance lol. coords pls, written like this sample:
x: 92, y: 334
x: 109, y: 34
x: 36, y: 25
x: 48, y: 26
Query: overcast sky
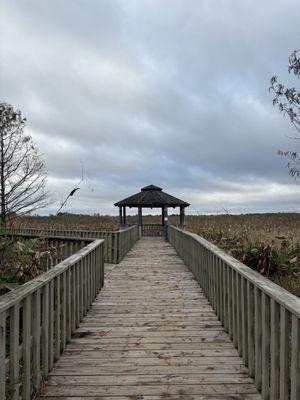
x: 171, y: 92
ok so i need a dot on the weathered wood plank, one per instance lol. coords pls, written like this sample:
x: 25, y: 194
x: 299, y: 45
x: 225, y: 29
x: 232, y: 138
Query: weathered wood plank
x: 149, y: 353
x: 86, y: 370
x: 210, y: 348
x: 94, y: 390
x: 149, y: 379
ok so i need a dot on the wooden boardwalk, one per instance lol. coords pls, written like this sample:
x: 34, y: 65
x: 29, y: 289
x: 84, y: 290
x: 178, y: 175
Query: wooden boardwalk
x: 151, y: 334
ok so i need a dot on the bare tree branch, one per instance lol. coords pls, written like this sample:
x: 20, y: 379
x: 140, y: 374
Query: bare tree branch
x: 22, y: 171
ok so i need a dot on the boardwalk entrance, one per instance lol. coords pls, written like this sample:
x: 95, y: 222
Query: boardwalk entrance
x: 150, y: 334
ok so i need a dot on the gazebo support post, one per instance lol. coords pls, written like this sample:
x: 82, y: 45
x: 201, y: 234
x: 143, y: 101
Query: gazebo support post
x: 182, y: 216
x: 120, y: 217
x: 165, y: 222
x: 124, y: 215
x: 140, y: 221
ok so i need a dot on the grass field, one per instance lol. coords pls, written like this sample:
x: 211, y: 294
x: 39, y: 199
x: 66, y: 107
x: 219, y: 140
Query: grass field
x: 268, y: 243
x: 70, y: 221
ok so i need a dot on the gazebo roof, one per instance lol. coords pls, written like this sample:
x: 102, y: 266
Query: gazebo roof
x: 151, y: 196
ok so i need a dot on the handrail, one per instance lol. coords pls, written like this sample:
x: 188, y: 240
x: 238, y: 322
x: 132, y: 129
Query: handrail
x: 38, y: 319
x: 261, y: 318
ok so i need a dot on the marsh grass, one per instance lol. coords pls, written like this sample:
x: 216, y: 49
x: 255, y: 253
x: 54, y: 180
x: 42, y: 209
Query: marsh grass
x: 267, y: 243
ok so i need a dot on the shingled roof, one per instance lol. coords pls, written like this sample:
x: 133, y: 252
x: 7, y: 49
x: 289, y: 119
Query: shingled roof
x: 151, y: 196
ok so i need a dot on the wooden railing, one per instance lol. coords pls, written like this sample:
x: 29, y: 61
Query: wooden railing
x: 261, y: 318
x: 126, y: 238
x: 116, y: 243
x: 38, y: 319
x: 152, y: 230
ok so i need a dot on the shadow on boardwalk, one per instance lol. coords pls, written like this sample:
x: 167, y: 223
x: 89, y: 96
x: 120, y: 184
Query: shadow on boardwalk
x: 151, y: 334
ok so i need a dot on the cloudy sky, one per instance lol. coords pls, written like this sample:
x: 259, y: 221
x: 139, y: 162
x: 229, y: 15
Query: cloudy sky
x: 169, y: 92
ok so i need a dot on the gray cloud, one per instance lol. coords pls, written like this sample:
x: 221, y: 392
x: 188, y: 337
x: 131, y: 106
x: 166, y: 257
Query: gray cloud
x: 169, y: 92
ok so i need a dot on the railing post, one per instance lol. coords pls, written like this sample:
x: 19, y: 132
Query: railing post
x: 166, y: 223
x: 118, y: 243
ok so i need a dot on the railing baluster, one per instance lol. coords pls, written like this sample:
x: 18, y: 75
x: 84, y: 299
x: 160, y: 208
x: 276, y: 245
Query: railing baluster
x: 14, y: 353
x: 221, y: 291
x: 229, y: 290
x: 258, y: 337
x: 211, y: 278
x: 57, y: 317
x: 275, y: 347
x: 2, y: 354
x: 45, y: 330
x: 85, y: 286
x: 51, y: 324
x: 239, y: 314
x: 284, y: 353
x: 244, y: 320
x: 69, y: 305
x: 81, y: 273
x: 251, y: 328
x: 36, y: 335
x: 63, y: 311
x: 265, y: 346
x: 26, y: 345
x: 225, y: 296
x: 89, y: 282
x: 96, y: 275
x: 234, y: 309
x: 77, y: 290
x: 214, y: 274
x: 295, y: 359
x: 217, y: 286
x: 73, y: 282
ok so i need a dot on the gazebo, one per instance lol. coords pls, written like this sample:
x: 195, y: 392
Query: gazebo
x: 151, y: 197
